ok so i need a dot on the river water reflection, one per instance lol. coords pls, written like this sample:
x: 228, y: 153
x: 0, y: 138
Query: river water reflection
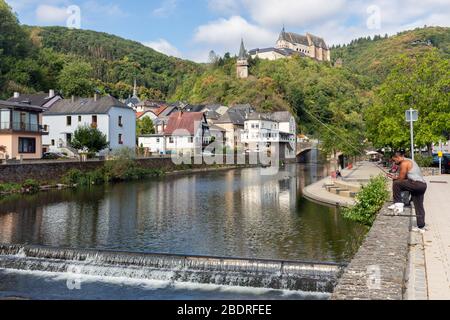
x: 239, y: 213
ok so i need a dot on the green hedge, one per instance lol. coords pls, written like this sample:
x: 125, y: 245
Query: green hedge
x: 112, y: 171
x: 369, y: 202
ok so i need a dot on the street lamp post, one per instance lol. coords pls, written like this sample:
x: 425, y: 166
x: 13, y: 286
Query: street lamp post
x: 411, y: 117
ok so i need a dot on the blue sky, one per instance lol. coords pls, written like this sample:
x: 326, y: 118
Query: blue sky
x: 191, y: 28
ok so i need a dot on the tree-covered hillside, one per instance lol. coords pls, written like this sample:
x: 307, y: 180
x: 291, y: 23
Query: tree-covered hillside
x: 335, y: 102
x: 338, y: 103
x: 33, y: 58
x: 375, y: 57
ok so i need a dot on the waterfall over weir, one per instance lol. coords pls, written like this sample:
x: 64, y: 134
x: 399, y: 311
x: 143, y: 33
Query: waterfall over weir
x: 272, y: 274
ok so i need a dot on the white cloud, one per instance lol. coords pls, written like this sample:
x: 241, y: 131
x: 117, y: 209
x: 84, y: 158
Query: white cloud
x: 166, y: 8
x: 338, y: 20
x: 163, y: 46
x: 295, y: 13
x: 19, y: 5
x: 48, y: 14
x: 225, y: 34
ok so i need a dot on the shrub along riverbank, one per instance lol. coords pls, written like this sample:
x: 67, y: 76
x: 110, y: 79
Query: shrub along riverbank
x: 112, y: 171
x: 121, y: 169
x: 29, y: 186
x: 369, y: 202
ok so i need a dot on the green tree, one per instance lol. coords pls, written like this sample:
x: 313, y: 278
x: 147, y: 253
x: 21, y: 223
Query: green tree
x: 76, y: 79
x: 13, y: 39
x: 144, y: 126
x: 89, y: 138
x: 14, y: 45
x: 421, y: 82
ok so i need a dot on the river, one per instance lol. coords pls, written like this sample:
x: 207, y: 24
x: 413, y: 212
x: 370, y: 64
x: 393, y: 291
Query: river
x: 232, y: 213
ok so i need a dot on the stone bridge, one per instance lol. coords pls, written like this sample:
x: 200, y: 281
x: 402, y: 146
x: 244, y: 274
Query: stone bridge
x: 304, y: 147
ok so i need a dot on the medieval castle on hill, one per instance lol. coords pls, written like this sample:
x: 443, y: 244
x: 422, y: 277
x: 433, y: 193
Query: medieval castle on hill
x: 289, y: 44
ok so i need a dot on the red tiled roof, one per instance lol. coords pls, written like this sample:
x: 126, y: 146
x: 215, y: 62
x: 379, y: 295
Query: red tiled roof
x: 186, y: 121
x: 139, y: 114
x: 160, y: 110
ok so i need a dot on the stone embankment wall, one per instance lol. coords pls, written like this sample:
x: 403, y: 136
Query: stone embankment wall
x: 378, y: 271
x: 53, y: 171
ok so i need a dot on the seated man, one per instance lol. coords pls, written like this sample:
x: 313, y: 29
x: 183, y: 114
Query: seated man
x: 410, y: 179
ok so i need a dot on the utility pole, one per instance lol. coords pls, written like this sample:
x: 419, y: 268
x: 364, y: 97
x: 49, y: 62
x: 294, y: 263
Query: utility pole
x: 412, y: 135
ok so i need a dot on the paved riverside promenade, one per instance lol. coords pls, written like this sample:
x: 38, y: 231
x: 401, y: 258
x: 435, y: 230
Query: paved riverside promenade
x: 360, y: 174
x: 437, y: 239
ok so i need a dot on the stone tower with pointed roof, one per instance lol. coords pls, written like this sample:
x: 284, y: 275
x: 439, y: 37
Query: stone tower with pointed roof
x: 242, y: 62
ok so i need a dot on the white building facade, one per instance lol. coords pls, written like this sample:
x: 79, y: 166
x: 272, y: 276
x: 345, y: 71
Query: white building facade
x: 186, y: 133
x: 114, y: 119
x: 262, y: 134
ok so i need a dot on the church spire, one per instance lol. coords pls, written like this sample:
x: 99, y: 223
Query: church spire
x: 282, y: 34
x: 135, y: 88
x: 242, y: 51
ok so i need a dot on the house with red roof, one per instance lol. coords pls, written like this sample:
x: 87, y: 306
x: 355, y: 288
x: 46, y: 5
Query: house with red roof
x: 185, y: 133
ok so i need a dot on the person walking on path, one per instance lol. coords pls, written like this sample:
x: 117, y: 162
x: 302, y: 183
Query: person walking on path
x: 409, y: 179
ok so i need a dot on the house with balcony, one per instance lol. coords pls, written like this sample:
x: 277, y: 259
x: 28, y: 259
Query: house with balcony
x: 185, y: 133
x: 287, y: 124
x: 21, y: 130
x: 112, y: 117
x: 262, y: 133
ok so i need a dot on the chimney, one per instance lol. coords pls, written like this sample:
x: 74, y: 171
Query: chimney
x: 73, y: 99
x: 16, y: 95
x: 51, y: 93
x: 95, y: 96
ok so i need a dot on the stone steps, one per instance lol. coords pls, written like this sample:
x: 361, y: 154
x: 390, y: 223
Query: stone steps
x: 341, y: 191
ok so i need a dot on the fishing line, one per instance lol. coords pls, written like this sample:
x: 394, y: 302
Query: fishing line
x: 359, y: 152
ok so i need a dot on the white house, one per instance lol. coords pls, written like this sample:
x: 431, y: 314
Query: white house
x: 185, y: 133
x: 262, y: 132
x: 287, y: 124
x: 115, y: 119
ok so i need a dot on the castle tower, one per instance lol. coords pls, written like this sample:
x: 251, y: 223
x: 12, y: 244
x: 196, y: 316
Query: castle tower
x: 242, y: 62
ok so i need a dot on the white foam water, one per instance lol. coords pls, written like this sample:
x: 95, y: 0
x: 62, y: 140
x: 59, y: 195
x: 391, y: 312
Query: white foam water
x: 231, y: 272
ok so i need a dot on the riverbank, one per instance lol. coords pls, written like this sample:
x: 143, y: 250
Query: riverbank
x: 43, y: 176
x: 361, y: 173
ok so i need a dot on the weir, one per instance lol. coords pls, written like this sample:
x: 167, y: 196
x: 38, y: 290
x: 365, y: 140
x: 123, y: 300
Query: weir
x: 258, y: 273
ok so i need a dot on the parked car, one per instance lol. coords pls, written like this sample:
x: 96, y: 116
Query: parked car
x: 207, y: 153
x: 53, y: 156
x: 445, y: 162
